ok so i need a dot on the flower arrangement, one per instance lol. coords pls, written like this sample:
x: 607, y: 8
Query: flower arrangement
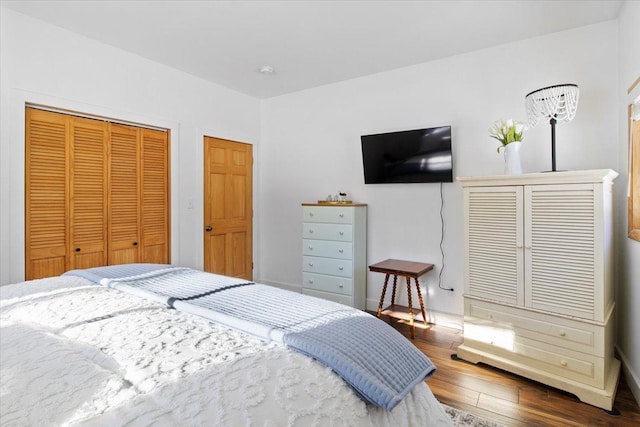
x: 507, y: 131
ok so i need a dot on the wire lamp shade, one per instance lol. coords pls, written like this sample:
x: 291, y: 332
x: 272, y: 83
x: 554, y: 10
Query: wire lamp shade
x: 554, y: 103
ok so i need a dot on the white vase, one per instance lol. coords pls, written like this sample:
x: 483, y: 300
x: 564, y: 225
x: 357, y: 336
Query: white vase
x: 512, y: 164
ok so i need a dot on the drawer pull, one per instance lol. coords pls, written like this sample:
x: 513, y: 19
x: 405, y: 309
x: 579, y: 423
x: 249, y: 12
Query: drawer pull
x: 310, y: 231
x: 311, y: 281
x: 310, y: 213
x: 341, y: 215
x: 341, y: 233
x: 491, y: 316
x: 310, y: 264
x: 563, y: 362
x: 341, y: 250
x: 340, y: 268
x: 310, y: 247
x: 562, y: 333
x: 341, y: 286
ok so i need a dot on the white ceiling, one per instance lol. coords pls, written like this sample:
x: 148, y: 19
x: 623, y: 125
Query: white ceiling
x: 309, y: 43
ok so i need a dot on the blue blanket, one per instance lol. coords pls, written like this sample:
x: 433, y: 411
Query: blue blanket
x: 380, y: 364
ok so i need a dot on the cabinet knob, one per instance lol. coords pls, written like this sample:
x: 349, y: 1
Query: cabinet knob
x: 341, y: 215
x: 77, y: 249
x: 310, y: 264
x: 341, y: 250
x: 563, y: 362
x: 341, y: 233
x: 491, y: 316
x: 311, y: 281
x: 310, y: 213
x: 562, y: 333
x: 340, y: 268
x: 310, y: 247
x: 341, y: 286
x: 135, y: 243
x: 310, y: 231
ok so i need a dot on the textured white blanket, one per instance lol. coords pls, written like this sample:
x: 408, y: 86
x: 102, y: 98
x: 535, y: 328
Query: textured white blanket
x: 76, y: 354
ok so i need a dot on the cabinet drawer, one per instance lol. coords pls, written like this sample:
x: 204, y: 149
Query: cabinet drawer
x: 339, y: 232
x: 331, y: 214
x: 342, y: 299
x: 320, y: 282
x: 545, y: 328
x: 576, y: 366
x: 334, y: 267
x: 327, y: 248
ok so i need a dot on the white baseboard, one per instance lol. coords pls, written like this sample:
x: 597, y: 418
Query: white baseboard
x: 632, y: 378
x: 436, y: 317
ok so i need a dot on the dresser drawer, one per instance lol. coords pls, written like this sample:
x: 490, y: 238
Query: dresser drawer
x: 342, y: 299
x: 330, y: 214
x: 327, y: 248
x: 560, y: 362
x: 320, y: 282
x: 559, y: 331
x: 339, y: 232
x: 334, y: 267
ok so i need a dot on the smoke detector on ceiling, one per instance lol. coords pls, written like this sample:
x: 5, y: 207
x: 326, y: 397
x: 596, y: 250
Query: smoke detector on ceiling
x: 266, y: 69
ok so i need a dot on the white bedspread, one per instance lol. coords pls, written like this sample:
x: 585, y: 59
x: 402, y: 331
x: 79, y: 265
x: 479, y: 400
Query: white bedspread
x: 72, y: 353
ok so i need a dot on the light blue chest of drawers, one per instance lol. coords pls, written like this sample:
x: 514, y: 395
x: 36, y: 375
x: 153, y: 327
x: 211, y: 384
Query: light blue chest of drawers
x: 334, y: 252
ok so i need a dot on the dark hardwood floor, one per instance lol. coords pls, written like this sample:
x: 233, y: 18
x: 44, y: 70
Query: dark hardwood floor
x: 505, y: 398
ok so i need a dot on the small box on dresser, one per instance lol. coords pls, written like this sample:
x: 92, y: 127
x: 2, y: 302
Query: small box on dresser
x: 539, y: 297
x: 334, y: 252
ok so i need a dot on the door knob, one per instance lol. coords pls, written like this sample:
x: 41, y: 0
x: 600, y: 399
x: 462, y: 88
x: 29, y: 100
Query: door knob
x: 208, y: 228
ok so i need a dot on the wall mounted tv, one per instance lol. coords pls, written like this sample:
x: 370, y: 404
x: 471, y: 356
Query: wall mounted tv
x: 421, y: 155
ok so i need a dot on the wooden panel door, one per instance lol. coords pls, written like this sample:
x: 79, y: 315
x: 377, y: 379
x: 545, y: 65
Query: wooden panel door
x: 88, y: 193
x: 155, y: 217
x: 228, y: 208
x: 124, y: 195
x: 45, y: 194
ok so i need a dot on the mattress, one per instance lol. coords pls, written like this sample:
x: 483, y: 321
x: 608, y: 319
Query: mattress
x: 73, y: 353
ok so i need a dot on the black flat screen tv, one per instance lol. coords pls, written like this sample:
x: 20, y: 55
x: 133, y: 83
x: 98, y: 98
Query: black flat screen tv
x: 421, y: 155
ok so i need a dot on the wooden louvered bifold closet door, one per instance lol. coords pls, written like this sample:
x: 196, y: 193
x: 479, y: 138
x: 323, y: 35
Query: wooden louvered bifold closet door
x: 96, y: 193
x: 155, y: 195
x: 88, y: 193
x: 124, y: 203
x: 46, y: 237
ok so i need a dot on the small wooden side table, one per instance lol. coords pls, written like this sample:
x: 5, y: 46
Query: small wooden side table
x: 407, y: 269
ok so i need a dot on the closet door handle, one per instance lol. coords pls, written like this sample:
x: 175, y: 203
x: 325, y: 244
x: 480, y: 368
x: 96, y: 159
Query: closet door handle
x: 208, y: 228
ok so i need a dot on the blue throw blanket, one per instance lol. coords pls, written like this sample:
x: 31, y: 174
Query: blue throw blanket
x: 380, y: 364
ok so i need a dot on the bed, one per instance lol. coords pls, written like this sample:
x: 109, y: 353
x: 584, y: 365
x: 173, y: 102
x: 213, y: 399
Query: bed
x: 101, y: 347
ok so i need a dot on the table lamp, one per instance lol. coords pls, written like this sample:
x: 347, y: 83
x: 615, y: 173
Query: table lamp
x: 557, y: 103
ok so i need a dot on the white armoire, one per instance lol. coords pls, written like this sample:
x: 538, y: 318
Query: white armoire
x: 539, y: 298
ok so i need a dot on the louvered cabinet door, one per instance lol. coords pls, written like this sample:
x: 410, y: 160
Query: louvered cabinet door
x: 88, y: 193
x: 494, y: 243
x: 562, y: 249
x: 155, y: 196
x: 124, y: 195
x: 45, y: 194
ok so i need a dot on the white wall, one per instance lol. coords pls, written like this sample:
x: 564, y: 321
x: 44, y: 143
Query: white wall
x: 310, y: 146
x: 47, y: 65
x: 628, y: 291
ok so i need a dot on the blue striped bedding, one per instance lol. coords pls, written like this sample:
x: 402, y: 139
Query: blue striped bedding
x: 380, y: 364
